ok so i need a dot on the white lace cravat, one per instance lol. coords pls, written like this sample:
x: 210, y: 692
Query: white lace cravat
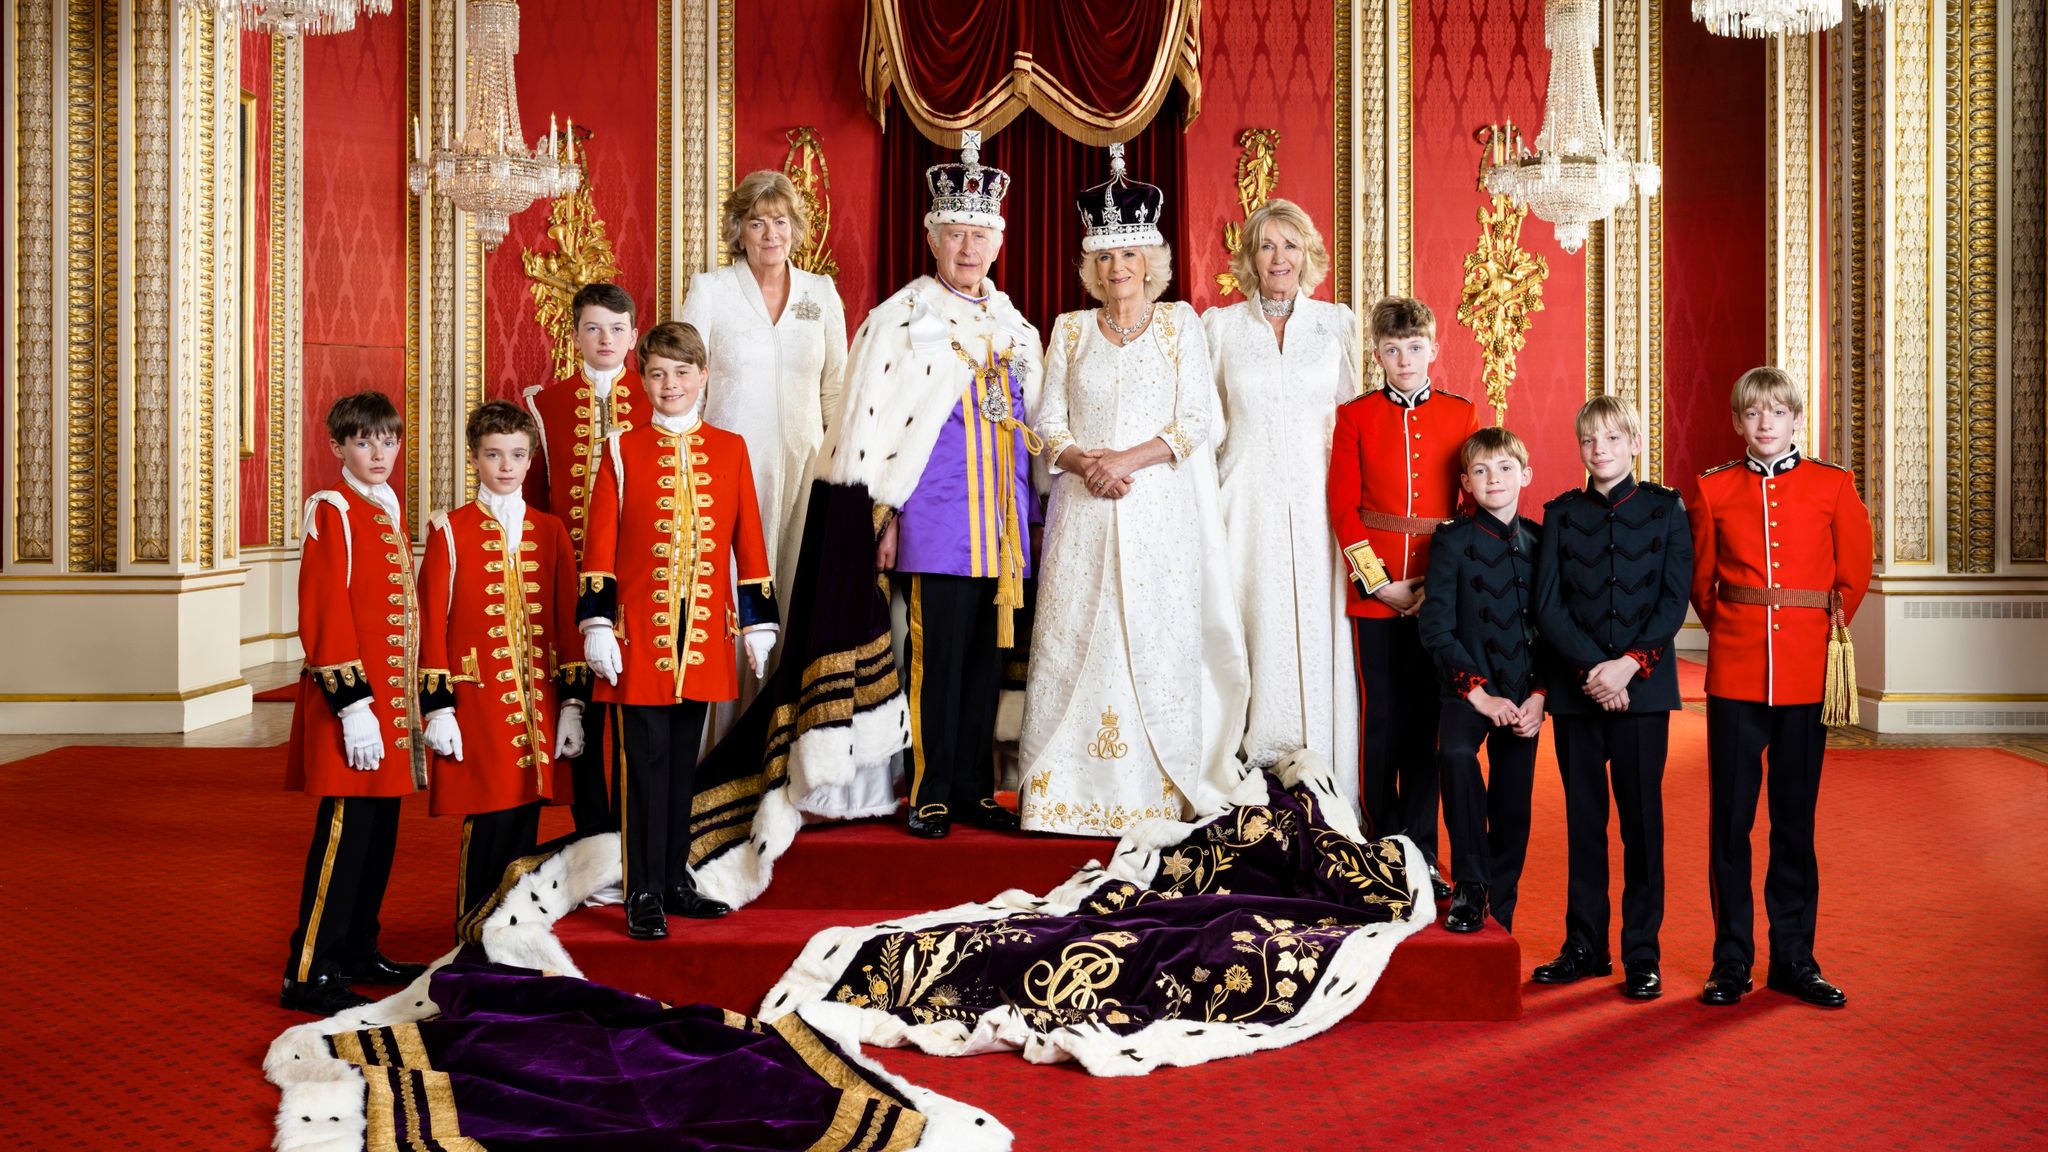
x: 680, y: 424
x: 601, y: 382
x: 378, y: 494
x: 509, y: 511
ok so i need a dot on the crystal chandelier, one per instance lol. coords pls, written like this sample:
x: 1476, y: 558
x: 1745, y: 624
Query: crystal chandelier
x: 489, y: 172
x: 1576, y: 175
x: 1759, y: 18
x: 293, y: 17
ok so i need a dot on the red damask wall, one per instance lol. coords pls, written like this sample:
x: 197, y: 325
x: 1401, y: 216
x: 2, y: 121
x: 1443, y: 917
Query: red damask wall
x: 1714, y: 231
x: 593, y: 61
x: 355, y: 212
x: 1478, y: 62
x: 797, y: 63
x: 253, y: 491
x: 1265, y: 64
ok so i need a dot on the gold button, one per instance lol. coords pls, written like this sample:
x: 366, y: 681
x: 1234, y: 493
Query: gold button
x: 1775, y: 627
x: 1774, y: 523
x: 1777, y: 544
x: 664, y: 664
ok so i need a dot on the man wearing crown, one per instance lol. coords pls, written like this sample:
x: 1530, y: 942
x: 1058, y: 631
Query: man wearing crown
x: 941, y: 383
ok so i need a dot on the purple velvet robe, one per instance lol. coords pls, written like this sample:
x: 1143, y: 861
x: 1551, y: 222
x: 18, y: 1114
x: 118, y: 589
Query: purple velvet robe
x: 952, y: 524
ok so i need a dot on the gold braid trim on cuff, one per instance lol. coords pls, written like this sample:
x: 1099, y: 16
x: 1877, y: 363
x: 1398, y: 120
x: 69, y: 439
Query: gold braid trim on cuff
x: 592, y: 581
x: 435, y: 679
x: 333, y: 676
x: 576, y: 673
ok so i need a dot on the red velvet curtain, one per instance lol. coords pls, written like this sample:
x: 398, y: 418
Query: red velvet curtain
x: 1039, y: 263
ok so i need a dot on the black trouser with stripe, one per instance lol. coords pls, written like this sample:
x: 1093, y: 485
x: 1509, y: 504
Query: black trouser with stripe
x: 347, y: 868
x: 955, y: 680
x: 1631, y: 747
x: 1487, y: 817
x: 590, y: 775
x: 491, y: 841
x: 1397, y: 745
x: 657, y: 782
x: 1739, y: 733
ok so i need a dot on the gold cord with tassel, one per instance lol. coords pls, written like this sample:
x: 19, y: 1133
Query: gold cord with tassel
x: 992, y: 396
x: 1839, y: 705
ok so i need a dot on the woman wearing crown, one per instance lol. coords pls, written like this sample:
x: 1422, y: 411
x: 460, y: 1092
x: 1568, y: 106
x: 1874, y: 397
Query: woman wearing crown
x: 1137, y: 691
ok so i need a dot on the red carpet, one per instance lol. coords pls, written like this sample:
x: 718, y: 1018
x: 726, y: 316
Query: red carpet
x: 282, y: 694
x: 1692, y: 679
x: 145, y: 896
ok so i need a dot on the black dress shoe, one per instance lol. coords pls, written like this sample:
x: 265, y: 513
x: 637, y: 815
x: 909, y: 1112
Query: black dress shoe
x: 930, y: 821
x: 377, y: 968
x: 993, y: 816
x: 1804, y: 982
x: 1573, y: 963
x: 1468, y: 909
x: 684, y: 900
x: 1642, y: 981
x: 1726, y: 985
x: 323, y: 995
x: 644, y: 917
x: 1438, y: 886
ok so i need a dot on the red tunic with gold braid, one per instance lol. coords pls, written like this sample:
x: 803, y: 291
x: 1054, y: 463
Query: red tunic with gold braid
x: 1798, y: 525
x: 1390, y: 458
x: 574, y: 422
x: 496, y: 645
x: 674, y: 526
x: 357, y: 623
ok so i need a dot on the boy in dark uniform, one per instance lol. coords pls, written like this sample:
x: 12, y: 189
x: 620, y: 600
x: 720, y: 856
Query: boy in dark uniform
x: 1477, y: 623
x: 1611, y: 587
x: 1781, y: 555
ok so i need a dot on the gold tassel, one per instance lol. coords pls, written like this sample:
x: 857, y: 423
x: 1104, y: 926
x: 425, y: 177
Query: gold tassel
x: 1839, y: 705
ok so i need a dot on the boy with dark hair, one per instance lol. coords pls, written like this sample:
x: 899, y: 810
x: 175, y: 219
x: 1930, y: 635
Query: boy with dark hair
x: 1610, y: 598
x: 1476, y: 622
x: 352, y: 727
x: 675, y: 529
x: 501, y: 661
x: 1781, y: 560
x: 574, y: 417
x: 1393, y: 478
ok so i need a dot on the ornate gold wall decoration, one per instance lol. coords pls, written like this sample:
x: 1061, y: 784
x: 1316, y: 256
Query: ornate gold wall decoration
x: 1792, y: 342
x: 695, y: 130
x: 33, y: 414
x: 1372, y: 237
x: 294, y: 283
x: 472, y: 350
x: 279, y: 58
x: 664, y: 160
x: 1503, y: 282
x: 417, y: 464
x: 1971, y: 48
x: 2027, y: 272
x: 1625, y: 253
x: 1258, y: 171
x: 1910, y: 268
x: 582, y: 255
x: 805, y: 167
x: 151, y: 287
x: 446, y: 244
x: 91, y: 279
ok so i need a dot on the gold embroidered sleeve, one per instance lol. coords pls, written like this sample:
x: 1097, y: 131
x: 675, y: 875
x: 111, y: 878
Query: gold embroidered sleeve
x: 1178, y: 441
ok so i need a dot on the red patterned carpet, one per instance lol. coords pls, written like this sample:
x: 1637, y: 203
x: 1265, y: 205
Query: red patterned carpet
x: 145, y: 896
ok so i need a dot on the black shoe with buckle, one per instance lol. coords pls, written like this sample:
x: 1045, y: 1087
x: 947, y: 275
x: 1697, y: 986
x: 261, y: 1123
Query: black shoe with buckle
x: 1574, y: 962
x: 377, y: 968
x: 931, y: 821
x: 1643, y: 981
x: 323, y: 995
x: 1468, y: 909
x: 1804, y: 982
x: 684, y: 900
x: 644, y: 917
x: 993, y: 816
x: 1726, y: 984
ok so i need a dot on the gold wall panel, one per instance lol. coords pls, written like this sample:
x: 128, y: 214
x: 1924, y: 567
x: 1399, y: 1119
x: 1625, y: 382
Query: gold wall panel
x: 1372, y: 234
x: 1625, y: 253
x: 33, y: 418
x: 150, y: 426
x: 91, y: 278
x: 1909, y: 261
x: 274, y: 406
x: 1971, y: 90
x: 2027, y: 273
x: 415, y: 388
x: 446, y: 251
x: 664, y: 162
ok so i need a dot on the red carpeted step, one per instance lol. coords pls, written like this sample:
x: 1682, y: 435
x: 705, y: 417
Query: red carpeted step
x: 875, y: 863
x: 733, y: 962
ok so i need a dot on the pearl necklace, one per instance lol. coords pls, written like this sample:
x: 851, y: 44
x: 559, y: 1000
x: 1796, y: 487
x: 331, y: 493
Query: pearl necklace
x: 1126, y: 335
x: 1276, y: 309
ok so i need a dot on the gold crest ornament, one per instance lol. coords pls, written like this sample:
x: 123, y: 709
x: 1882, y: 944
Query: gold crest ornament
x: 805, y: 167
x: 1503, y: 282
x: 1258, y: 172
x: 583, y: 255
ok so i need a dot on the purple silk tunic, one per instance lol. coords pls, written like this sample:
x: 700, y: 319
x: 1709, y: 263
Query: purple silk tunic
x: 952, y: 525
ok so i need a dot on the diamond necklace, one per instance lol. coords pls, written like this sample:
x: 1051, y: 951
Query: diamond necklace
x: 1275, y: 309
x: 1126, y: 335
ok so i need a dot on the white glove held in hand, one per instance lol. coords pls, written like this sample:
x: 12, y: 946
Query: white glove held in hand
x: 760, y: 644
x: 362, y: 737
x: 601, y: 652
x: 569, y: 730
x: 442, y: 734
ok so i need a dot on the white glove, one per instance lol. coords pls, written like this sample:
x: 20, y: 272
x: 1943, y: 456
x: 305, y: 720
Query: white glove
x: 760, y: 643
x: 601, y: 652
x: 569, y: 730
x: 443, y: 735
x: 362, y: 737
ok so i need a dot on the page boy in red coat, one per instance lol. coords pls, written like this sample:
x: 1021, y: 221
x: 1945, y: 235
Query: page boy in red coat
x: 352, y: 728
x: 574, y: 417
x: 501, y: 662
x: 674, y: 530
x: 1394, y: 476
x: 1781, y: 548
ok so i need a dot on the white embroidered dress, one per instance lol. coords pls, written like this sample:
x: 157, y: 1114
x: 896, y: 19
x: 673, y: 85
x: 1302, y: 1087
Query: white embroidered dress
x: 1136, y: 695
x: 1273, y: 457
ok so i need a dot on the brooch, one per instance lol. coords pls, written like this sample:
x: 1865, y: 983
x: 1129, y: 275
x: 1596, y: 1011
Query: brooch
x: 807, y: 309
